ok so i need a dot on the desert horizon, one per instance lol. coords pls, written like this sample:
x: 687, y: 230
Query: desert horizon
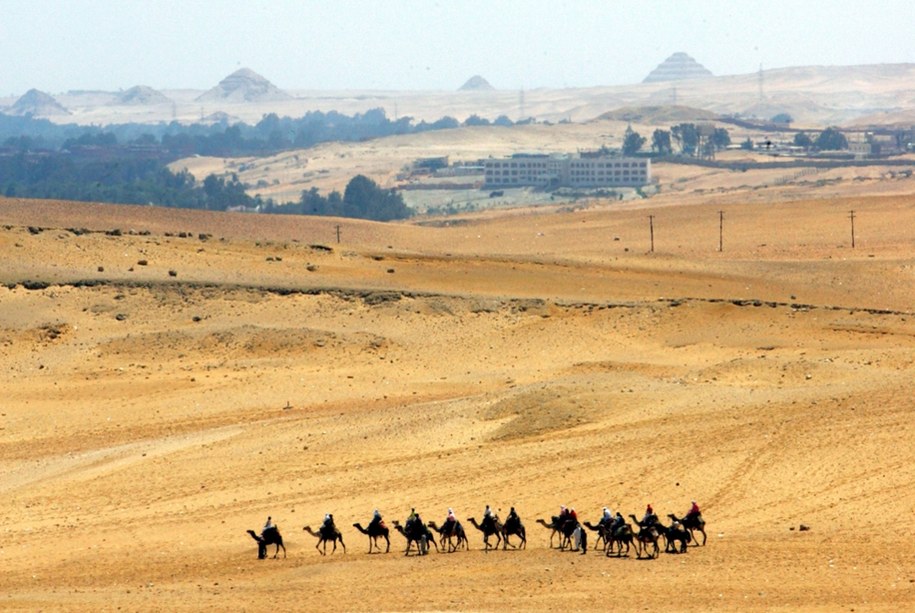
x: 814, y: 95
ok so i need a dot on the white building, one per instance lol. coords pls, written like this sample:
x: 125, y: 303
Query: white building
x: 564, y: 170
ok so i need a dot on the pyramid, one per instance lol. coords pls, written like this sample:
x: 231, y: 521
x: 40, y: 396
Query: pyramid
x: 476, y: 83
x: 244, y: 85
x: 141, y: 95
x: 678, y: 67
x: 38, y: 104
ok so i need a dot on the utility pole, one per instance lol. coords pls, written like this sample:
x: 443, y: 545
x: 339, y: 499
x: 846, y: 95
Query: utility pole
x: 720, y: 231
x: 651, y: 231
x: 338, y: 234
x: 851, y: 215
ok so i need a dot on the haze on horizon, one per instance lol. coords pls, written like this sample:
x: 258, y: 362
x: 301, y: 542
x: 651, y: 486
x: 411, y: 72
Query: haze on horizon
x: 414, y: 45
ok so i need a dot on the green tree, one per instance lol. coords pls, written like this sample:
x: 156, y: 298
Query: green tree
x: 221, y: 194
x: 831, y: 139
x: 782, y: 118
x: 632, y: 141
x: 687, y: 136
x: 720, y: 138
x: 476, y: 120
x: 363, y: 199
x: 801, y: 139
x: 660, y: 142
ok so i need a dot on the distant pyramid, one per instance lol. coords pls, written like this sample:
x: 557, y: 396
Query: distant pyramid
x: 38, y: 104
x: 678, y: 67
x: 244, y: 85
x: 141, y: 95
x: 476, y: 83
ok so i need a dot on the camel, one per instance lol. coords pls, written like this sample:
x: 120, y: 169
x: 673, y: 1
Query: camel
x: 647, y: 537
x: 603, y: 533
x: 271, y: 536
x: 419, y: 534
x: 456, y: 533
x: 693, y: 523
x: 619, y: 537
x: 674, y: 534
x: 652, y: 520
x: 553, y: 526
x: 325, y: 534
x: 563, y: 527
x: 493, y: 527
x: 514, y: 527
x: 375, y: 531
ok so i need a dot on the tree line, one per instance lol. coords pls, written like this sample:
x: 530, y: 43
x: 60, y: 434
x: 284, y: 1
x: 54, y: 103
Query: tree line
x: 271, y: 134
x: 704, y: 140
x: 135, y: 180
x: 127, y: 163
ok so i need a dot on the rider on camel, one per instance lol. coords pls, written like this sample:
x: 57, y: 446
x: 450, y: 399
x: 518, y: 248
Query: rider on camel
x: 488, y: 518
x: 618, y: 522
x: 649, y: 518
x: 512, y: 516
x: 693, y: 512
x: 413, y: 518
x: 606, y: 518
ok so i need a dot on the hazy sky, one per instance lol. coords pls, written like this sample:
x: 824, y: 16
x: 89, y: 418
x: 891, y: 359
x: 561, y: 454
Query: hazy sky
x: 59, y: 45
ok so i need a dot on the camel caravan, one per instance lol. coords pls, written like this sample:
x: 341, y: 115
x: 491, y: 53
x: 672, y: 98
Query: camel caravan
x: 615, y: 537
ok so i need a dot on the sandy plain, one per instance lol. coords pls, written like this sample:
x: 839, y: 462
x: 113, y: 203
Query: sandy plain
x: 165, y: 392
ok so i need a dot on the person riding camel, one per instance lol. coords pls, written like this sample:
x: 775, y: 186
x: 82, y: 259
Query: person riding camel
x: 512, y: 516
x: 328, y: 524
x: 450, y: 522
x: 268, y: 525
x: 618, y: 522
x: 377, y: 521
x: 606, y: 518
x: 649, y: 518
x: 573, y: 515
x: 411, y: 520
x: 488, y: 518
x: 693, y: 511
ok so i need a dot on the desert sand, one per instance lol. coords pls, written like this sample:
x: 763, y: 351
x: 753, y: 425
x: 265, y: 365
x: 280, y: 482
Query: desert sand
x: 170, y: 385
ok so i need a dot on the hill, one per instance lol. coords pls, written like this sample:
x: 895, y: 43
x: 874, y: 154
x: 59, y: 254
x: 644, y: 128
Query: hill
x: 658, y: 115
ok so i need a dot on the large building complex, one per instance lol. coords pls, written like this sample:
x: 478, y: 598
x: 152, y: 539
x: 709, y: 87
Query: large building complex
x: 564, y: 170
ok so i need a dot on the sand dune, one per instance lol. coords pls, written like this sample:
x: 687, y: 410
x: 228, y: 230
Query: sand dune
x: 528, y: 358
